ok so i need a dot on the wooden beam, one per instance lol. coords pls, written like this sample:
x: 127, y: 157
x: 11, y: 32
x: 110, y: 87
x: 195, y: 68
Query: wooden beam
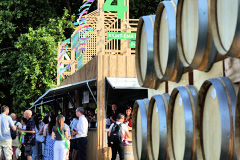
x: 100, y: 107
x: 100, y: 49
x: 124, y: 28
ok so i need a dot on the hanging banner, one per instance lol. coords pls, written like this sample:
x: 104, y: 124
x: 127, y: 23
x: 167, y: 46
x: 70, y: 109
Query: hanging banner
x: 132, y: 44
x: 121, y: 35
x: 66, y: 41
x: 79, y: 38
x: 77, y: 53
x: 83, y: 29
x: 61, y: 54
x: 62, y: 70
x: 80, y: 61
x: 75, y: 39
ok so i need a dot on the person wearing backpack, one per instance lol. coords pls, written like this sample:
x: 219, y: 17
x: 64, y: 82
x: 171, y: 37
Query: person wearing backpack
x: 15, y: 135
x: 117, y: 135
x: 5, y: 136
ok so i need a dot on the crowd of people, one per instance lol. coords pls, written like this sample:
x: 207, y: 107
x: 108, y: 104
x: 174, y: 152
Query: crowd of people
x: 52, y: 138
x: 113, y: 116
x: 47, y: 138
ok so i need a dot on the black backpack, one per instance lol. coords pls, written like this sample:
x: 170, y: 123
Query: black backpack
x: 116, y: 134
x: 13, y: 133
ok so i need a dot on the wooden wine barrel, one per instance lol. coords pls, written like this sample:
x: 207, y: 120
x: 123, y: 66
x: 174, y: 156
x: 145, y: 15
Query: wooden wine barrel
x: 157, y: 127
x: 181, y: 123
x: 167, y: 64
x: 144, y: 53
x: 194, y: 38
x: 237, y: 126
x: 139, y: 129
x: 215, y: 120
x: 225, y: 26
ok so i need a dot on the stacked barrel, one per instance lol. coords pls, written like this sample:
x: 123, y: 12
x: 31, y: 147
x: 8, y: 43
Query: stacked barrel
x: 187, y: 124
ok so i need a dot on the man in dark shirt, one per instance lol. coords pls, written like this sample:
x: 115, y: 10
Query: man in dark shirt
x: 114, y: 113
x: 29, y: 138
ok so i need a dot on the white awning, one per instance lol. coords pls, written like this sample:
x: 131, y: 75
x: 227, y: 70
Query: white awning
x: 123, y: 83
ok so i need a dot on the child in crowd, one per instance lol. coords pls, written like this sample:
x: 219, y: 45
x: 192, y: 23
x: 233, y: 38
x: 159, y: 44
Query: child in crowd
x: 128, y: 117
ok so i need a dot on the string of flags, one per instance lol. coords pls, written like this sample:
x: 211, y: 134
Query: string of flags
x: 79, y: 39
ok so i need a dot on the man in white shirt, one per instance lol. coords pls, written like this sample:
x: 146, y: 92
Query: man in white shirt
x: 120, y: 133
x: 81, y: 136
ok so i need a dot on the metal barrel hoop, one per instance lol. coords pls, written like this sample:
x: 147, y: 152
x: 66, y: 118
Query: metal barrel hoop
x: 205, y: 53
x: 149, y: 79
x: 174, y: 66
x: 162, y: 102
x: 223, y: 96
x: 189, y: 99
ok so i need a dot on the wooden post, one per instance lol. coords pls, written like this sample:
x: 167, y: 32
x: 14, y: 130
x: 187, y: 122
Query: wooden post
x: 100, y: 46
x: 125, y: 28
x: 100, y: 49
x: 100, y: 108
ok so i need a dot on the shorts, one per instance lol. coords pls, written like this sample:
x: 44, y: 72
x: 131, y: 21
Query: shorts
x: 14, y: 148
x: 28, y: 150
x: 6, y: 148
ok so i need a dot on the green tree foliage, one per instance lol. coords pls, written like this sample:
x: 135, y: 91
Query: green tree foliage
x: 16, y: 16
x: 28, y: 63
x: 29, y: 32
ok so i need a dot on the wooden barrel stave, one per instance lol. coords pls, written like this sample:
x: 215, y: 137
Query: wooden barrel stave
x: 232, y: 98
x: 139, y: 129
x: 225, y: 26
x: 195, y: 44
x: 237, y: 126
x: 157, y: 146
x: 181, y: 123
x: 144, y: 53
x: 167, y: 67
x: 215, y: 130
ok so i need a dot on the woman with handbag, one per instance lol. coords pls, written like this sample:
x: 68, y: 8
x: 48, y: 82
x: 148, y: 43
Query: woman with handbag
x: 37, y: 148
x: 60, y: 132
